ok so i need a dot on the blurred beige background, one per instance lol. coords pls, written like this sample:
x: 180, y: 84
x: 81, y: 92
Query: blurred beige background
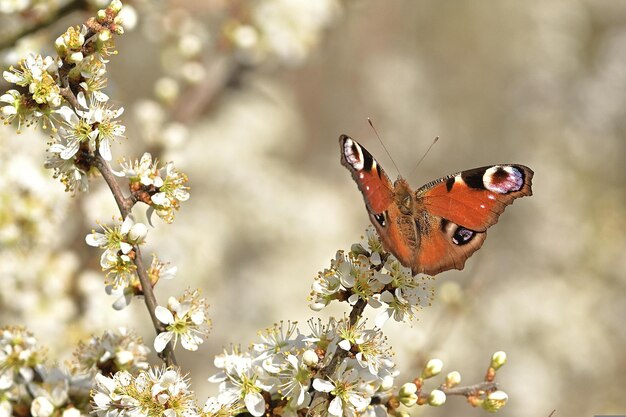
x: 542, y: 83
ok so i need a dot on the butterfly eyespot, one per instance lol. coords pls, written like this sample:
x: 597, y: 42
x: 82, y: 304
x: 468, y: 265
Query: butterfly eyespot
x: 458, y: 234
x: 463, y: 236
x: 380, y: 218
x: 503, y: 179
x: 353, y: 154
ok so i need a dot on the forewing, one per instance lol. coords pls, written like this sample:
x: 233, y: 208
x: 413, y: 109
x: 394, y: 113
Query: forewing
x: 475, y: 198
x: 369, y: 176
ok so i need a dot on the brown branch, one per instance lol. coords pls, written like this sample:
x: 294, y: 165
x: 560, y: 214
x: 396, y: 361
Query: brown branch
x: 222, y: 72
x: 125, y: 205
x: 49, y: 20
x: 340, y: 354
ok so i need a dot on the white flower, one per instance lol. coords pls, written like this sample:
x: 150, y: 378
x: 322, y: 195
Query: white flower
x: 73, y: 177
x: 241, y: 379
x: 163, y: 189
x: 95, y: 126
x: 184, y: 318
x: 117, y: 243
x: 409, y: 294
x: 295, y: 380
x: 279, y: 338
x: 373, y: 353
x: 349, y: 397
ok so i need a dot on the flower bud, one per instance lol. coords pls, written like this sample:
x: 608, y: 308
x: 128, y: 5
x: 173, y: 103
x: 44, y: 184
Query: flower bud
x: 116, y: 6
x: 432, y: 368
x: 437, y: 398
x: 71, y: 412
x: 166, y: 89
x: 60, y: 46
x: 387, y: 383
x: 409, y: 400
x: 137, y: 233
x: 408, y: 388
x: 118, y: 28
x: 76, y: 57
x: 498, y: 359
x: 407, y: 394
x: 309, y: 357
x: 101, y: 15
x: 453, y: 379
x: 41, y: 407
x: 495, y: 401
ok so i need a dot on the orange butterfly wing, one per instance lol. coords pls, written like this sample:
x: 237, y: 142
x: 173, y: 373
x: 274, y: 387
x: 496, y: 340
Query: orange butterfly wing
x: 475, y: 198
x: 397, y: 231
x: 460, y: 208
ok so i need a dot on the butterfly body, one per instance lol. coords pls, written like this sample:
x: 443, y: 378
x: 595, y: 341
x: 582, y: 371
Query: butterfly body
x: 441, y: 224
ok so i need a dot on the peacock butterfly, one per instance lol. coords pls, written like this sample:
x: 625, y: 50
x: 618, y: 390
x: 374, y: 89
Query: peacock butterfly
x: 439, y: 226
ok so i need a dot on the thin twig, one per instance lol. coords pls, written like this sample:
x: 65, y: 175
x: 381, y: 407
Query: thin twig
x: 471, y: 390
x: 125, y: 205
x: 197, y: 98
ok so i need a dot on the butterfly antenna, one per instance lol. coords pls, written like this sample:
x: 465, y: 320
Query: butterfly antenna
x: 423, y: 156
x: 382, y: 143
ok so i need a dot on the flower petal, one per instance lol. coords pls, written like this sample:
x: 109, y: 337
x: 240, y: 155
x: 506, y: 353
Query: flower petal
x: 255, y: 404
x: 335, y: 408
x: 322, y: 385
x: 382, y: 317
x: 96, y: 240
x: 162, y: 340
x: 105, y: 149
x: 164, y: 315
x: 71, y: 149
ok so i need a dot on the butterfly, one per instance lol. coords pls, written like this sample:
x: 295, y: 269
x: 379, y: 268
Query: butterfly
x: 439, y: 226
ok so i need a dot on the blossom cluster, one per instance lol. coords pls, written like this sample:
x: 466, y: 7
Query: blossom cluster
x: 28, y: 386
x: 160, y: 188
x: 155, y: 392
x: 279, y: 30
x: 118, y: 243
x: 114, y: 351
x: 185, y: 317
x: 64, y: 92
x: 367, y: 272
x: 335, y: 369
